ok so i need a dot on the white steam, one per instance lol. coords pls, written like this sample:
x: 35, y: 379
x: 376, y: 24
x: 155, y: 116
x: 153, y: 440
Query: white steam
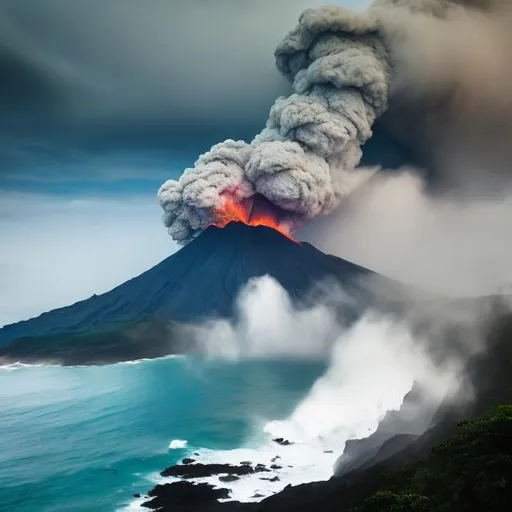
x: 269, y: 326
x: 372, y: 365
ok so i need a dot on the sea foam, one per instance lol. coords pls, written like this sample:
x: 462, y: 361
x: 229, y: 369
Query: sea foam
x: 177, y: 444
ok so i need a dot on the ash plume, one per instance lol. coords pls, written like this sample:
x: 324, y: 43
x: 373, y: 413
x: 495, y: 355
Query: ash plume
x: 304, y: 158
x: 435, y: 71
x: 449, y: 98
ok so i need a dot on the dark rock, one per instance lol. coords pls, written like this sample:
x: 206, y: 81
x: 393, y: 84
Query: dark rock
x: 204, y: 470
x: 328, y: 451
x: 273, y: 479
x: 188, y: 461
x: 275, y: 466
x: 246, y: 463
x: 275, y: 458
x: 281, y: 441
x: 260, y: 467
x: 229, y: 478
x: 257, y: 495
x: 136, y: 495
x: 181, y: 496
x: 361, y: 453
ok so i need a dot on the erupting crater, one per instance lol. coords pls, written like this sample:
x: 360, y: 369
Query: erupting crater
x: 253, y: 211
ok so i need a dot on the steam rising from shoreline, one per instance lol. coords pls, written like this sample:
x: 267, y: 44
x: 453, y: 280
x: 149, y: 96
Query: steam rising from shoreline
x: 372, y: 367
x: 286, y: 332
x: 372, y: 364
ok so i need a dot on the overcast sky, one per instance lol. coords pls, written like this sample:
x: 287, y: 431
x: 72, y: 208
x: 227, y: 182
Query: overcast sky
x: 103, y: 101
x: 162, y: 76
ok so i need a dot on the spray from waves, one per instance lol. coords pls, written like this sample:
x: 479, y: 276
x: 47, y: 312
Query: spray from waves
x: 148, y: 359
x: 18, y: 365
x: 11, y: 367
x: 372, y: 365
x: 178, y: 444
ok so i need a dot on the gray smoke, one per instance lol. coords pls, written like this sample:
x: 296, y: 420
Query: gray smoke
x: 450, y: 96
x: 304, y: 158
x: 421, y: 63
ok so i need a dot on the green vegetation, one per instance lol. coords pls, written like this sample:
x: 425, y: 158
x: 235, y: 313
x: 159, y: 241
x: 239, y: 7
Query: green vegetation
x: 391, y: 502
x: 469, y: 472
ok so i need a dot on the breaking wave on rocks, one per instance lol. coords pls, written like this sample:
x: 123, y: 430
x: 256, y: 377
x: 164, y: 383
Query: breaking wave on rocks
x: 372, y: 366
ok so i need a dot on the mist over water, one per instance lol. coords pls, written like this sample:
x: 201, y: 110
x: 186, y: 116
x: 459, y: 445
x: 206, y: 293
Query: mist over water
x: 371, y: 364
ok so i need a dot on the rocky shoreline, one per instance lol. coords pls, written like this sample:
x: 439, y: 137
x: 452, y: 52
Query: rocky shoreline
x: 185, y: 494
x: 388, y: 472
x: 468, y: 470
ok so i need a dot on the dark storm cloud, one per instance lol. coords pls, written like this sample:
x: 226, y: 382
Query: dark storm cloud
x: 25, y: 87
x: 162, y: 76
x: 182, y: 65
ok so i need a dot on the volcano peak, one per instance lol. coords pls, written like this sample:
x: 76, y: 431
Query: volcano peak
x: 241, y: 232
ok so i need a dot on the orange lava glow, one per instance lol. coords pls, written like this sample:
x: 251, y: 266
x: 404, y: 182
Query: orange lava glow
x: 247, y: 213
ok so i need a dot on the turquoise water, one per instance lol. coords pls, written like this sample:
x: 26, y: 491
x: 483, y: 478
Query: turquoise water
x: 87, y: 438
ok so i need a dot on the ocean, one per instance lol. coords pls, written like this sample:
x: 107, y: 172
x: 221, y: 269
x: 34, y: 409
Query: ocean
x: 76, y: 439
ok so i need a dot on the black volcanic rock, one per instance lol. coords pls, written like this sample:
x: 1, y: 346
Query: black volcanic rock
x: 282, y: 442
x: 395, y: 431
x: 205, y: 470
x: 229, y: 478
x: 490, y: 378
x: 141, y: 317
x: 272, y: 479
x: 184, y: 496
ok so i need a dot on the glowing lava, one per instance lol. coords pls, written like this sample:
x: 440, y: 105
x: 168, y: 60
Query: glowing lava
x: 251, y: 211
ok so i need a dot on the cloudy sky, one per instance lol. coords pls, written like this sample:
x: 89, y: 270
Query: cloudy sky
x: 101, y: 102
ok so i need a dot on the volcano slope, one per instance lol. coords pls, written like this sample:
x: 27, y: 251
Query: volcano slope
x: 143, y: 316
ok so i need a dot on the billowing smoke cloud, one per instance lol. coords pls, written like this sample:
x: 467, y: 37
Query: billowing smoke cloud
x: 450, y: 94
x: 302, y: 161
x: 394, y: 227
x: 437, y: 69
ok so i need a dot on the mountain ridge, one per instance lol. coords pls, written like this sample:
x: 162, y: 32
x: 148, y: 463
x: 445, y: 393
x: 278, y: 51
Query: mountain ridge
x: 200, y: 281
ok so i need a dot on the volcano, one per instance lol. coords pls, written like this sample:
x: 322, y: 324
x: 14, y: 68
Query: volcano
x: 142, y: 317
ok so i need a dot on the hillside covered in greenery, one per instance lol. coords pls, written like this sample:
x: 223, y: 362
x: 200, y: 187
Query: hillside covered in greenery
x: 470, y: 471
